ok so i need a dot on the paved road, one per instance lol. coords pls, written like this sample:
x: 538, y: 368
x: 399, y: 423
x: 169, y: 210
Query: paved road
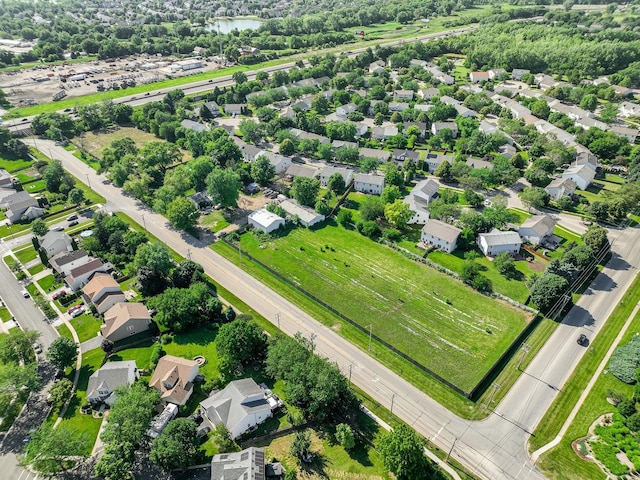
x: 494, y: 448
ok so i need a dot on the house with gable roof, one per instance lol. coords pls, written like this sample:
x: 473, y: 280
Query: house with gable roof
x: 125, y: 319
x: 536, y: 229
x: 104, y: 381
x: 173, y: 378
x: 497, y: 241
x: 103, y: 292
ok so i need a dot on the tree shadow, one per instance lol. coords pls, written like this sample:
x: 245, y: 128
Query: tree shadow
x: 578, y: 317
x: 602, y: 283
x: 616, y: 262
x: 317, y: 466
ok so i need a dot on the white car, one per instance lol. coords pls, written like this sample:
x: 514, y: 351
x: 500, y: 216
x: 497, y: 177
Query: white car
x: 77, y: 312
x: 24, y: 293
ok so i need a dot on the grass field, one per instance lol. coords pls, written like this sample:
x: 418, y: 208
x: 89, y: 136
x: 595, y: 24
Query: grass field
x: 26, y: 254
x: 561, y: 462
x: 429, y: 316
x: 86, y: 326
x: 48, y: 283
x: 214, y: 221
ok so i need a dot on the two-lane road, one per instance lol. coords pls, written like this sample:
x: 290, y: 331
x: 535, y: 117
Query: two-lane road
x: 494, y: 448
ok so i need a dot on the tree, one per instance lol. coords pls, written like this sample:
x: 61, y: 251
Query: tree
x: 179, y: 308
x: 53, y: 176
x: 154, y: 256
x: 39, y: 227
x: 397, y: 213
x: 183, y: 213
x: 107, y: 346
x: 115, y: 463
x: 305, y: 190
x: 18, y: 347
x: 251, y: 130
x: 547, y: 290
x: 589, y: 102
x: 390, y: 194
x: 301, y: 445
x: 443, y: 172
x: 534, y: 197
x: 54, y: 450
x: 240, y: 342
x: 262, y: 171
x: 596, y: 238
x: 187, y: 273
x: 371, y: 208
x: 287, y: 147
x: 368, y: 164
x: 336, y: 183
x: 62, y: 353
x: 239, y: 77
x: 76, y: 196
x: 393, y: 176
x: 59, y: 392
x: 177, y: 447
x: 474, y: 199
x: 402, y: 452
x: 345, y: 218
x: 345, y: 436
x: 223, y: 186
x: 505, y: 264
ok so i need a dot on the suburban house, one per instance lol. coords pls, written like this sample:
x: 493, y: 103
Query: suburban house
x: 377, y: 66
x: 19, y: 205
x: 535, y: 230
x: 265, y: 220
x: 571, y: 111
x: 213, y: 108
x: 326, y: 172
x: 200, y: 199
x: 494, y: 73
x: 622, y: 91
x: 398, y: 106
x: 383, y: 133
x: 560, y: 187
x: 345, y: 110
x: 54, y: 243
x: 441, y: 235
x: 419, y: 210
x: 63, y: 262
x: 497, y: 241
x: 173, y: 378
x: 6, y: 179
x: 586, y: 158
x: 240, y: 406
x: 628, y: 109
x: 367, y: 183
x: 625, y: 132
x: 302, y: 135
x: 507, y: 150
x: 249, y: 464
x: 104, y: 381
x: 400, y: 156
x: 303, y: 104
x: 234, y: 108
x: 545, y: 81
x: 582, y: 175
x: 280, y: 162
x: 433, y: 160
x: 125, y: 319
x: 80, y: 275
x: 478, y: 163
x: 438, y: 127
x: 306, y: 216
x: 336, y: 144
x: 296, y: 170
x: 429, y: 93
x: 477, y: 77
x: 588, y: 123
x: 103, y: 292
x: 517, y: 73
x: 422, y: 127
x: 195, y: 126
x: 381, y: 155
x: 403, y: 95
x: 427, y: 190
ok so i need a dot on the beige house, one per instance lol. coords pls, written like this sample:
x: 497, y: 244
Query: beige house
x: 173, y: 378
x: 125, y: 319
x: 103, y: 291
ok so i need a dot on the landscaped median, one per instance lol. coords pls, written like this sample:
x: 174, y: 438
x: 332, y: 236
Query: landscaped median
x: 562, y: 462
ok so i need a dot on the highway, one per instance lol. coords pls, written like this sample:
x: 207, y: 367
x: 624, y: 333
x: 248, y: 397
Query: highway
x: 494, y: 448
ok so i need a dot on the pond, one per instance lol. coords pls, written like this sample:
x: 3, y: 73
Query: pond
x: 228, y: 24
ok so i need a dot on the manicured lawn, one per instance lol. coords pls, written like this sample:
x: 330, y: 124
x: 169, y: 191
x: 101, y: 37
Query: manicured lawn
x: 64, y: 331
x: 11, y: 166
x: 5, y: 314
x: 197, y: 342
x: 73, y: 418
x: 6, y: 230
x: 26, y: 254
x: 86, y: 326
x: 48, y: 283
x: 142, y: 356
x: 35, y: 186
x: 372, y: 284
x: 561, y: 462
x: 36, y: 269
x: 214, y: 221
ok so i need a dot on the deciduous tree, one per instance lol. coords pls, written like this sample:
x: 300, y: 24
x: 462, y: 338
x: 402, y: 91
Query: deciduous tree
x: 402, y: 452
x: 177, y: 447
x: 305, y: 190
x: 223, y: 186
x: 62, y: 353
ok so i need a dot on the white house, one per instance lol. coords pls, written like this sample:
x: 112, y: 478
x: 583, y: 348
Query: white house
x: 398, y: 106
x: 265, y: 220
x: 494, y: 73
x: 279, y: 162
x: 104, y: 381
x: 367, y: 183
x: 64, y: 262
x: 625, y: 132
x: 383, y: 133
x: 239, y: 406
x: 327, y: 171
x: 628, y: 109
x: 306, y: 216
x: 438, y: 127
x: 536, y: 229
x: 433, y: 160
x: 345, y: 110
x: 497, y: 241
x: 560, y: 187
x: 234, y: 108
x: 477, y: 77
x: 582, y: 175
x: 54, y: 243
x: 403, y: 95
x: 381, y: 155
x: 517, y: 73
x: 441, y: 235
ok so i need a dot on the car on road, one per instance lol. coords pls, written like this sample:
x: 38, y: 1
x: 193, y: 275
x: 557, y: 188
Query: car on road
x: 73, y: 223
x: 582, y: 340
x: 59, y: 228
x: 72, y: 217
x: 37, y: 347
x: 26, y: 439
x: 106, y: 181
x: 24, y: 293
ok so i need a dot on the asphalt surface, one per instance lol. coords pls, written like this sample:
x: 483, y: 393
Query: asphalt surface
x: 494, y: 448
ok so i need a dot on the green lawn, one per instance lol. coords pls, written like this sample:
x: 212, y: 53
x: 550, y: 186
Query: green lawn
x: 11, y: 165
x: 73, y: 418
x: 5, y: 314
x: 36, y: 269
x: 197, y: 342
x: 142, y: 356
x: 561, y: 462
x: 48, y: 283
x: 64, y: 331
x: 35, y: 186
x: 214, y: 221
x: 393, y: 294
x: 26, y: 254
x: 86, y: 326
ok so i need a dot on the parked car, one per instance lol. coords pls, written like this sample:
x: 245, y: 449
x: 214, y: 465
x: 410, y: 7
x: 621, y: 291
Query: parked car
x: 73, y: 223
x: 72, y: 217
x: 59, y: 294
x: 59, y: 228
x: 77, y: 312
x: 24, y: 293
x: 37, y: 347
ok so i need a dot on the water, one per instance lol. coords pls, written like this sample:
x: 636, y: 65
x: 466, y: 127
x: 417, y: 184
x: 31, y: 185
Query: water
x: 228, y: 24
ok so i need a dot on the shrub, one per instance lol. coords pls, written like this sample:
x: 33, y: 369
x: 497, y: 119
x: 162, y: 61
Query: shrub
x: 166, y: 339
x: 626, y: 407
x: 607, y: 455
x: 625, y: 361
x: 633, y: 422
x: 392, y: 234
x: 156, y: 353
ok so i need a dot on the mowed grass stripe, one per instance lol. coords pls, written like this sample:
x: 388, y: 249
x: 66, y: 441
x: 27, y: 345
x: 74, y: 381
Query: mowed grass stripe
x: 431, y: 317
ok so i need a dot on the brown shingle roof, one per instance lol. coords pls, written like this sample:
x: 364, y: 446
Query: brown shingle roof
x: 99, y: 282
x: 171, y: 378
x: 121, y: 313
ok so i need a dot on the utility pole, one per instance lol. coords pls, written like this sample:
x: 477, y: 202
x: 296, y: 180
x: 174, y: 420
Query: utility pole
x: 451, y: 449
x: 496, y: 386
x: 144, y: 223
x: 393, y: 396
x: 370, y: 334
x: 350, y: 368
x: 525, y: 349
x: 278, y: 319
x: 188, y: 253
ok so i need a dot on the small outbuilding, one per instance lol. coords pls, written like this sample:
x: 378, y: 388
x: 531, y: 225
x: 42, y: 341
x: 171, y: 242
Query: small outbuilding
x: 265, y: 220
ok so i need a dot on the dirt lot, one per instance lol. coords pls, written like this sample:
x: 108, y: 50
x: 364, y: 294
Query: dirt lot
x: 40, y: 83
